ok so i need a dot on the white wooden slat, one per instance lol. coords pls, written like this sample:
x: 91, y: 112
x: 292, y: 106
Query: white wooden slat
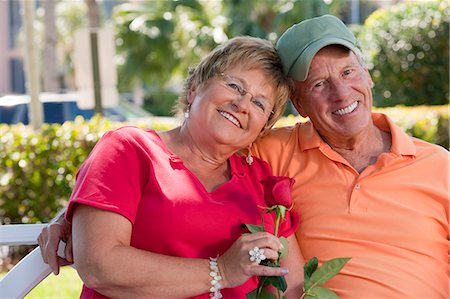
x: 20, y: 234
x: 26, y: 275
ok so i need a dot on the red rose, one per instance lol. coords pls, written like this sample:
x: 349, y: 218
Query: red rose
x: 278, y: 191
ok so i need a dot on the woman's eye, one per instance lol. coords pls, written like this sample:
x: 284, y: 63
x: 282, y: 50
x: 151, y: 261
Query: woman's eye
x: 236, y: 87
x: 259, y: 104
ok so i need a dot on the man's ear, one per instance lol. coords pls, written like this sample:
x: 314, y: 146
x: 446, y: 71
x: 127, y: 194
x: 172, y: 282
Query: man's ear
x: 369, y: 77
x: 295, y: 99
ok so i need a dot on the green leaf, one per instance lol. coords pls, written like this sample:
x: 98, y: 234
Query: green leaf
x: 328, y: 270
x: 285, y: 251
x: 278, y: 282
x: 270, y: 263
x: 309, y: 295
x: 309, y: 269
x: 321, y: 293
x: 307, y: 283
x: 311, y: 266
x: 252, y: 294
x: 265, y: 294
x: 262, y: 282
x: 255, y: 228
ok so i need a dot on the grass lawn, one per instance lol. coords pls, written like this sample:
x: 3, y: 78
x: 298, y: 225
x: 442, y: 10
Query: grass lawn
x: 66, y: 285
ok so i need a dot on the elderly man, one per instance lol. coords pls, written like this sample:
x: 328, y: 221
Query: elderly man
x: 364, y: 188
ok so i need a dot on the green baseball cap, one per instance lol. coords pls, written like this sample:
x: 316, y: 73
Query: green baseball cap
x: 298, y: 45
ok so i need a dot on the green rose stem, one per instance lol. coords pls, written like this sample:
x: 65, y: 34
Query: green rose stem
x: 277, y: 224
x: 280, y: 282
x: 277, y: 221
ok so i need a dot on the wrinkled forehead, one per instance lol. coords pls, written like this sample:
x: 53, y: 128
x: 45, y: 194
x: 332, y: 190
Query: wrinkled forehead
x: 335, y: 50
x: 334, y: 53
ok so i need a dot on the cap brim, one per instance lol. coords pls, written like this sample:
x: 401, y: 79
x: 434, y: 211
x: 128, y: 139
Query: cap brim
x: 300, y: 69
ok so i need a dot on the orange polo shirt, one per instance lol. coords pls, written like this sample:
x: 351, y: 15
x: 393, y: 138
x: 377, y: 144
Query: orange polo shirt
x: 392, y: 219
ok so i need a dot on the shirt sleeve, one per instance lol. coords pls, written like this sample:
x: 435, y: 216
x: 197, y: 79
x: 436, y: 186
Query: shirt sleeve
x: 112, y: 177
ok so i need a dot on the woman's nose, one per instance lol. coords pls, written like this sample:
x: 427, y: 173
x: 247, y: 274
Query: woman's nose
x: 242, y: 103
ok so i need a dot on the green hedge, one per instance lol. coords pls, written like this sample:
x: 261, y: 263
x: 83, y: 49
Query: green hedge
x: 407, y: 45
x: 37, y: 168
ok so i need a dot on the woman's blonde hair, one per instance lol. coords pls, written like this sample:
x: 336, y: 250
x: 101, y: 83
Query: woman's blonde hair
x: 248, y: 52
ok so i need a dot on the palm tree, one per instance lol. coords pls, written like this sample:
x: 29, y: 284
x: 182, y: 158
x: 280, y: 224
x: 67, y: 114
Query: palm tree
x: 157, y: 41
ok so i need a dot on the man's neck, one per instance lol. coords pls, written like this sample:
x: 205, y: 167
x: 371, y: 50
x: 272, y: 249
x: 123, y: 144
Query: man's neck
x: 365, y: 149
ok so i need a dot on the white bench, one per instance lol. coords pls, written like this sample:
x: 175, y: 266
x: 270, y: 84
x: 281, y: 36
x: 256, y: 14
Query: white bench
x: 31, y: 270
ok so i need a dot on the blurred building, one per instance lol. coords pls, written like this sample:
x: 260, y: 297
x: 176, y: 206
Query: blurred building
x: 12, y: 75
x: 12, y: 78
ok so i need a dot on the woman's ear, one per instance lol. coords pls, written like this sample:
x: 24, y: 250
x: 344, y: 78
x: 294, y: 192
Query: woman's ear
x: 192, y: 94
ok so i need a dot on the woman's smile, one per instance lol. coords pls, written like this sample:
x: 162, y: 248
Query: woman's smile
x: 231, y: 118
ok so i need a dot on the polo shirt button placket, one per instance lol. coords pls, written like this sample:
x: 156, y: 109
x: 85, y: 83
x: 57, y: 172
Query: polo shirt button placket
x: 357, y: 204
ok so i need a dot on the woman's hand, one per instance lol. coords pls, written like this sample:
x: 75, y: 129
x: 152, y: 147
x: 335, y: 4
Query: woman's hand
x: 235, y: 266
x: 49, y: 240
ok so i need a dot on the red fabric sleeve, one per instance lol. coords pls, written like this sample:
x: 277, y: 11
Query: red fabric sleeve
x: 112, y: 177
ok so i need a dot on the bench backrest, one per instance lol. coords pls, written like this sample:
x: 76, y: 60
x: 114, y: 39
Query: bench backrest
x: 31, y: 270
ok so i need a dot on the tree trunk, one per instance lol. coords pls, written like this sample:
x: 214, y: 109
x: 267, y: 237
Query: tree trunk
x: 35, y: 109
x: 93, y: 14
x: 51, y: 70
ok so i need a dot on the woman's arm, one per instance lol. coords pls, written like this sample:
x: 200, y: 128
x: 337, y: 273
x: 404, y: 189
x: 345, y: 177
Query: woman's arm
x: 294, y: 262
x: 57, y: 230
x: 107, y: 263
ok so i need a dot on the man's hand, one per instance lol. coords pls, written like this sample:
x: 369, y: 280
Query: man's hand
x: 49, y: 240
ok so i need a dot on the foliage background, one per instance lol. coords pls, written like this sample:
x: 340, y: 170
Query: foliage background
x: 408, y: 53
x: 156, y: 41
x: 406, y: 44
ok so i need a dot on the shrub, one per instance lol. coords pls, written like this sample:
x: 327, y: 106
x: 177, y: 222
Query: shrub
x: 161, y: 102
x: 407, y: 48
x: 37, y: 168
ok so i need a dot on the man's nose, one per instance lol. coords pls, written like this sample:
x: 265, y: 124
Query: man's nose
x: 341, y: 90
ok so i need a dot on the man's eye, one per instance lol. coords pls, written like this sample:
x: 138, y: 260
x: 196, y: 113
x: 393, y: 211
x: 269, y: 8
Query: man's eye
x: 348, y: 72
x: 319, y: 84
x: 259, y: 104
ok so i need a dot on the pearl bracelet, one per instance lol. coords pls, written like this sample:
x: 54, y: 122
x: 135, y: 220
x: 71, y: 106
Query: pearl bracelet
x: 215, y: 278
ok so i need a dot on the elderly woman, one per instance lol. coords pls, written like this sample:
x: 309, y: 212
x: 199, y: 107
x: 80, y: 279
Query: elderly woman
x: 159, y: 215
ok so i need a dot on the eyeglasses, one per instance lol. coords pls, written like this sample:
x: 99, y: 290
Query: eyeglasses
x: 234, y: 85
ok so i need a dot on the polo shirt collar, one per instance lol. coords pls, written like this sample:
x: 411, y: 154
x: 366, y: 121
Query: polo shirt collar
x: 401, y: 142
x: 308, y: 137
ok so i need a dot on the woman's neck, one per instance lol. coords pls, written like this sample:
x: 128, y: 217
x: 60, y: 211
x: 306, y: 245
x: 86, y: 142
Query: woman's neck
x: 208, y: 164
